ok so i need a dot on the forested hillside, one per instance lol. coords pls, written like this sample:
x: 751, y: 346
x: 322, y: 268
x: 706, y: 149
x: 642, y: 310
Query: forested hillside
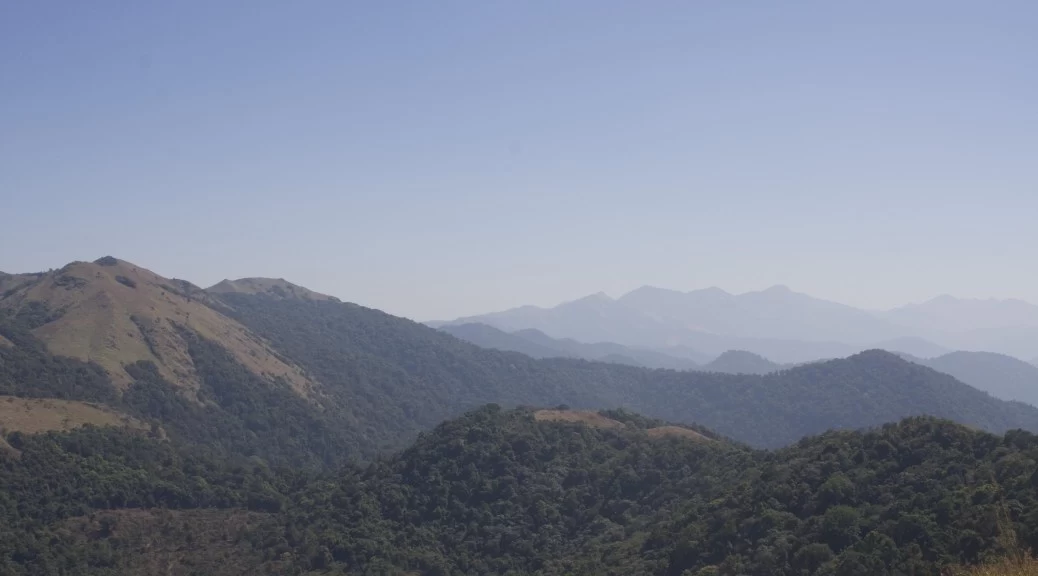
x: 742, y: 362
x: 406, y: 377
x: 499, y: 492
x: 1002, y: 376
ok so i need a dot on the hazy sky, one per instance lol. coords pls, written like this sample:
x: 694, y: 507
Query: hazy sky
x: 435, y: 159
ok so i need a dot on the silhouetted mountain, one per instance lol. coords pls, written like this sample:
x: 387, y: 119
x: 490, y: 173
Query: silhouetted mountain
x: 1002, y: 326
x: 776, y: 323
x: 486, y: 336
x: 914, y: 346
x: 537, y: 344
x: 1001, y: 376
x: 947, y: 314
x: 776, y: 313
x: 671, y: 358
x: 742, y: 362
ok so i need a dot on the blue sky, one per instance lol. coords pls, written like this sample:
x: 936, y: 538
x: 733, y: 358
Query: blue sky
x: 436, y: 159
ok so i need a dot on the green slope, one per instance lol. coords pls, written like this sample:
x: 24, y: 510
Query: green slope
x: 498, y: 492
x: 399, y: 377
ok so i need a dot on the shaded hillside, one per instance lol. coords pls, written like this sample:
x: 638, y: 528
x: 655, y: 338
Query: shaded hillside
x: 1001, y: 376
x: 537, y: 344
x: 486, y: 336
x: 507, y: 492
x: 404, y: 377
x: 671, y: 359
x: 742, y: 362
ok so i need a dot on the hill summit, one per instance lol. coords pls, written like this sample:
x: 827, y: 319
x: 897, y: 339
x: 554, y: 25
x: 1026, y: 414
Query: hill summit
x: 115, y: 313
x: 276, y: 287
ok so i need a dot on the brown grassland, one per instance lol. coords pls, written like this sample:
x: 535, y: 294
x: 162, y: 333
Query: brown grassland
x: 119, y: 314
x: 35, y: 415
x: 592, y: 419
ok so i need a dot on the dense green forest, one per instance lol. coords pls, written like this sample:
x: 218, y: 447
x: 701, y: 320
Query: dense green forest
x: 497, y: 492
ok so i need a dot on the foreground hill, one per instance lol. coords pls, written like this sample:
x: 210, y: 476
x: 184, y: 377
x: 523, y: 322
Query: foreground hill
x: 508, y: 492
x: 298, y: 380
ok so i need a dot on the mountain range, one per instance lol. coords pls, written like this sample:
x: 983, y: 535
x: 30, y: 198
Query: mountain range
x: 778, y: 323
x: 266, y: 367
x: 148, y: 425
x: 1000, y: 375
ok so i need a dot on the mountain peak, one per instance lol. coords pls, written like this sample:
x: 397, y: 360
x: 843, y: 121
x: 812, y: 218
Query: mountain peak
x: 276, y: 287
x: 742, y: 362
x: 596, y: 298
x: 132, y: 314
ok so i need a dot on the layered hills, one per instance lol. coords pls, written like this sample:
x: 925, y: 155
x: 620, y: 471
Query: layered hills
x: 260, y: 428
x: 779, y: 323
x: 280, y: 372
x: 1001, y: 376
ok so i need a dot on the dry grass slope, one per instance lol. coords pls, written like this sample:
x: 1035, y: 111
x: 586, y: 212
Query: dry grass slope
x: 10, y: 283
x: 35, y: 415
x: 277, y: 287
x: 593, y: 419
x: 117, y: 314
x: 1023, y: 566
x: 677, y: 432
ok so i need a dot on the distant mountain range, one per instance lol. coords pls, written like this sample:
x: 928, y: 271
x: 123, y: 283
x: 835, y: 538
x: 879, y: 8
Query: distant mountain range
x: 778, y: 323
x: 537, y: 344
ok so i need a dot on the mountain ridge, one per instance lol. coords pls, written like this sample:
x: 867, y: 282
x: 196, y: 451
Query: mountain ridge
x: 378, y: 381
x: 114, y: 313
x: 278, y: 287
x: 778, y: 323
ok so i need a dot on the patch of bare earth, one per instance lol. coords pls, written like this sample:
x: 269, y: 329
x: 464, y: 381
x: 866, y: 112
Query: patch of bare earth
x: 118, y: 314
x: 4, y: 342
x: 180, y: 542
x: 593, y: 419
x: 36, y: 415
x: 676, y: 431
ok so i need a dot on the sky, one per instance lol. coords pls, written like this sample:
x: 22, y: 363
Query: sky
x: 440, y: 159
